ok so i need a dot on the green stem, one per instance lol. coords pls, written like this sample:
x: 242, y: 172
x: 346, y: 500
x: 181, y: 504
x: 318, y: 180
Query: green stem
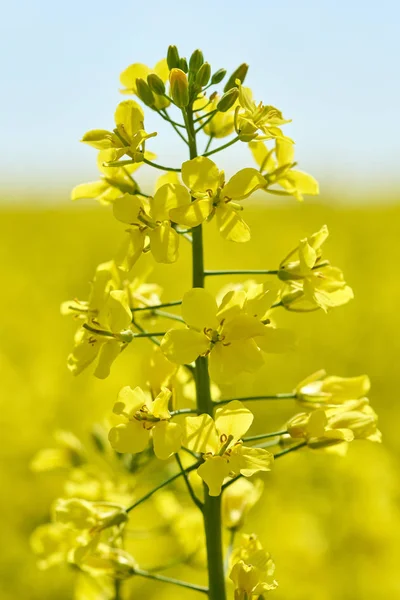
x: 209, y: 114
x: 192, y: 494
x: 289, y: 396
x: 164, y: 579
x: 291, y: 449
x: 264, y: 436
x: 168, y: 315
x: 174, y: 125
x: 236, y: 139
x: 242, y: 272
x: 161, y: 167
x: 209, y: 118
x: 212, y: 504
x: 157, y: 306
x: 117, y: 589
x: 210, y: 139
x: 147, y: 334
x: 151, y: 338
x: 159, y: 487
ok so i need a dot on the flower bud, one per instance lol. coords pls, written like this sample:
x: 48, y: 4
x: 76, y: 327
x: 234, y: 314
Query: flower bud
x: 179, y: 89
x: 195, y: 61
x: 240, y: 74
x: 126, y: 336
x: 144, y: 92
x: 218, y: 76
x: 172, y: 57
x: 203, y: 75
x: 183, y: 65
x: 156, y: 84
x: 228, y: 100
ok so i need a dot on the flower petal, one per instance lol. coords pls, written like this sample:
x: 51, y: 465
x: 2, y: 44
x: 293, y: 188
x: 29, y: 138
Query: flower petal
x: 119, y: 314
x: 129, y: 117
x: 227, y: 362
x: 200, y: 174
x: 201, y: 434
x: 213, y: 472
x: 233, y: 419
x: 199, y: 309
x: 231, y: 225
x: 167, y: 197
x: 159, y: 407
x: 130, y: 401
x: 243, y: 327
x: 129, y: 437
x: 164, y: 243
x: 247, y: 461
x: 94, y: 189
x: 108, y: 353
x: 243, y: 184
x: 167, y: 439
x: 192, y: 214
x: 126, y: 208
x: 131, y: 249
x: 183, y: 346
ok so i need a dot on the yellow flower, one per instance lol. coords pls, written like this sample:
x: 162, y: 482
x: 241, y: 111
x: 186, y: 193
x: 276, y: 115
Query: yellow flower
x: 220, y: 444
x: 108, y: 334
x: 126, y: 138
x: 355, y: 419
x: 256, y: 121
x: 69, y: 454
x: 107, y: 316
x: 215, y: 197
x: 318, y: 389
x: 277, y: 164
x: 145, y: 418
x: 104, y: 559
x: 51, y: 543
x: 310, y: 283
x: 94, y: 517
x: 237, y: 501
x: 114, y: 181
x: 136, y: 71
x: 150, y: 224
x: 252, y: 569
x: 229, y: 333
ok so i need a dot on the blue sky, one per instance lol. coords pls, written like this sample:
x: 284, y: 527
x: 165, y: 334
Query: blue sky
x: 331, y: 66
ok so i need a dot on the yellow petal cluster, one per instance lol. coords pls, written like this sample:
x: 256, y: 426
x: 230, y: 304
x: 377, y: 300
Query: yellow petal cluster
x: 145, y: 418
x: 276, y: 166
x: 215, y: 197
x: 309, y: 282
x: 252, y: 569
x: 229, y: 333
x: 219, y: 442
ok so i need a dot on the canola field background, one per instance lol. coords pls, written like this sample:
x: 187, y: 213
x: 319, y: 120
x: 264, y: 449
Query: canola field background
x: 331, y: 524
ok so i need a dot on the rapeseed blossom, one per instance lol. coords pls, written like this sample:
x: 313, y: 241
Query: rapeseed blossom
x: 310, y: 283
x: 128, y: 136
x: 276, y: 166
x: 318, y: 389
x: 150, y: 226
x: 145, y: 418
x: 215, y: 197
x: 227, y: 333
x: 252, y: 569
x: 221, y: 445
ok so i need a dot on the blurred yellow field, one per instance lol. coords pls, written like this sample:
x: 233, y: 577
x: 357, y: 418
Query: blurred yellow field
x: 331, y: 524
